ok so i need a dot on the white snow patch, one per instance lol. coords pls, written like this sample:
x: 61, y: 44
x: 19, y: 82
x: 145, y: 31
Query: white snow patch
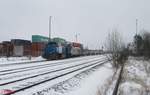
x: 131, y: 88
x: 12, y: 60
x: 136, y: 77
x: 90, y: 85
x: 80, y: 83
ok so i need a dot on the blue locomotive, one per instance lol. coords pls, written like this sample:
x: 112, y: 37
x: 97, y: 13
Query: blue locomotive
x: 54, y: 50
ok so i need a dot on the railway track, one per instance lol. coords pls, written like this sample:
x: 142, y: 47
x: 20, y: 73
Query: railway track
x: 115, y: 91
x: 15, y: 70
x: 49, y: 71
x: 21, y: 74
x: 48, y: 76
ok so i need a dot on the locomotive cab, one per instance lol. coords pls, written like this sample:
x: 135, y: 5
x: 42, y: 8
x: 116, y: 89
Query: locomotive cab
x: 53, y: 50
x: 50, y: 50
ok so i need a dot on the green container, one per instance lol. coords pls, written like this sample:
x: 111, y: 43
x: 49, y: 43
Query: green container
x: 59, y: 40
x: 39, y: 38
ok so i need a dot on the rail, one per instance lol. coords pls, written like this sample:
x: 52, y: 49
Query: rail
x: 95, y: 64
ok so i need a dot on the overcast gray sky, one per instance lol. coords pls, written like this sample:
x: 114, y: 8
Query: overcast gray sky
x: 92, y: 19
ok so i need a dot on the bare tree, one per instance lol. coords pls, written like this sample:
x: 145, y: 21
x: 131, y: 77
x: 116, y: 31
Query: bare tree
x: 138, y: 42
x: 115, y: 45
x: 145, y: 43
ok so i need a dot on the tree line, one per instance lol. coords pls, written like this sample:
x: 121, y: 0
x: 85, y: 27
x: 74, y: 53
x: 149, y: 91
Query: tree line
x: 142, y: 44
x: 119, y: 51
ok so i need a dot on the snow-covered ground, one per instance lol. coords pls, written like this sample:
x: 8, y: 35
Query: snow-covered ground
x: 52, y: 62
x: 86, y: 81
x: 136, y: 77
x: 95, y: 82
x: 69, y: 84
x: 109, y: 87
x: 11, y: 60
x: 99, y: 80
x: 45, y: 73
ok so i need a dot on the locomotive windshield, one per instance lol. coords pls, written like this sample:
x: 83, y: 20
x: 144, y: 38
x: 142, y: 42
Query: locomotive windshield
x: 53, y: 44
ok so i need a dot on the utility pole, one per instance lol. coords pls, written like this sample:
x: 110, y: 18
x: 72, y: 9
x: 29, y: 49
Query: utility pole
x: 136, y: 26
x: 50, y: 17
x: 76, y: 36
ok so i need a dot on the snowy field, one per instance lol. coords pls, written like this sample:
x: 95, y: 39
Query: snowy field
x: 88, y: 74
x: 136, y: 77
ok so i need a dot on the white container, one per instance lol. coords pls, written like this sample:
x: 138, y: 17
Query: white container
x: 75, y: 51
x: 18, y: 51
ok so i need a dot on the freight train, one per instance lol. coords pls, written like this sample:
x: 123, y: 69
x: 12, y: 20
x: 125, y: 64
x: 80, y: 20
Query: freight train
x: 40, y: 46
x: 54, y: 50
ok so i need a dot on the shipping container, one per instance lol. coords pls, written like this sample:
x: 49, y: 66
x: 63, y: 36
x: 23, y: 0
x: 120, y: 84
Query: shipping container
x: 39, y: 38
x: 1, y: 49
x: 37, y: 48
x: 21, y: 47
x: 76, y: 51
x: 20, y: 42
x: 18, y: 50
x: 21, y: 50
x: 74, y: 44
x: 7, y: 48
x: 27, y: 50
x: 59, y: 40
